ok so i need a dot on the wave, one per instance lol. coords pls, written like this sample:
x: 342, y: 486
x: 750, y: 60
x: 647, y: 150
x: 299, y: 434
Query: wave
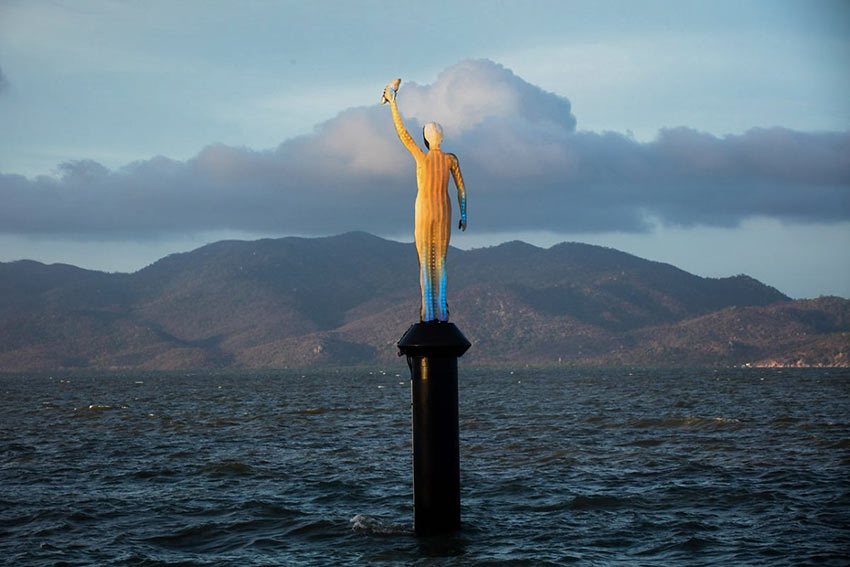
x: 321, y: 410
x: 227, y: 468
x: 98, y: 407
x: 364, y: 523
x: 687, y: 421
x: 601, y: 502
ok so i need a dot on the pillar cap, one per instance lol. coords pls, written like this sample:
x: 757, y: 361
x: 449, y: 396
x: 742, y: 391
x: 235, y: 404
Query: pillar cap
x: 433, y: 338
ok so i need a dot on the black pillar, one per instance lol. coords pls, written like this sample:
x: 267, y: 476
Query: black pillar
x: 432, y: 350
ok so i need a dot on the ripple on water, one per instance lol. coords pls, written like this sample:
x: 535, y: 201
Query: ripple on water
x: 591, y: 467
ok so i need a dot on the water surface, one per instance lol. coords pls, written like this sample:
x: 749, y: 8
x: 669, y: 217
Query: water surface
x: 583, y: 467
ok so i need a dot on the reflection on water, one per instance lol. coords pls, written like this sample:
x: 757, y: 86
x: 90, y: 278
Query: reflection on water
x: 587, y: 467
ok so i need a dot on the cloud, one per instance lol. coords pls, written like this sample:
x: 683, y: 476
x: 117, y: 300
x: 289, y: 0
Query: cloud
x: 525, y: 164
x: 469, y: 93
x: 4, y: 81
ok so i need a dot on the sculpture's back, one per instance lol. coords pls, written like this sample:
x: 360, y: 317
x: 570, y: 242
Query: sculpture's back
x: 433, y: 214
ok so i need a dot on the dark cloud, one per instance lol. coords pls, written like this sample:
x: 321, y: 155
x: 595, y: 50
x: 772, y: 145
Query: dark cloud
x: 525, y: 165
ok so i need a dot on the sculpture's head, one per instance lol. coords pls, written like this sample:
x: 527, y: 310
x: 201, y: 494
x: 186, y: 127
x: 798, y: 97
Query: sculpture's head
x: 433, y: 133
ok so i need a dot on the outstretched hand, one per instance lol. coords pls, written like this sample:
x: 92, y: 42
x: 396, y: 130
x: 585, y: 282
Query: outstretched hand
x: 390, y: 91
x: 389, y: 94
x: 462, y: 224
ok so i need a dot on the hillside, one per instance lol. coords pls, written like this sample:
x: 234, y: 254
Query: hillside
x: 347, y: 299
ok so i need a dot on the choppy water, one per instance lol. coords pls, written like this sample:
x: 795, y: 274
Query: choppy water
x: 599, y: 467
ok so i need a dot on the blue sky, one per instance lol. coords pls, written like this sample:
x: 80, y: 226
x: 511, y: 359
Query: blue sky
x: 713, y: 136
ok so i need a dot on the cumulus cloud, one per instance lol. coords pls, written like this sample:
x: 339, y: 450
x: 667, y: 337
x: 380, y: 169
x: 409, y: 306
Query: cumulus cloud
x: 525, y: 164
x: 472, y: 92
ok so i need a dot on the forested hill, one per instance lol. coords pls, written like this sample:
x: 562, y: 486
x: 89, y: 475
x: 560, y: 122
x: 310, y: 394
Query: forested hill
x: 347, y: 299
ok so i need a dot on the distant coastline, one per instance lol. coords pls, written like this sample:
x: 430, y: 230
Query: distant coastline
x: 345, y: 301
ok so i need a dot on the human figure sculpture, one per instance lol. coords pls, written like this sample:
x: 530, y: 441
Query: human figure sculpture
x: 433, y: 210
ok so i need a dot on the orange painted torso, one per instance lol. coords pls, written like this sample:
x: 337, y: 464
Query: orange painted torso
x: 433, y: 205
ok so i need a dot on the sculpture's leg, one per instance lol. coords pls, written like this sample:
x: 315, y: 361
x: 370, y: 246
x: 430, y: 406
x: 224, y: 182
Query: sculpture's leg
x: 444, y: 306
x: 434, y: 272
x: 426, y: 312
x: 437, y: 284
x: 426, y: 280
x: 441, y: 247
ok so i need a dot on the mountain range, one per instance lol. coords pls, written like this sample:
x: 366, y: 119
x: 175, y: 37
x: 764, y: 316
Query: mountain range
x: 347, y: 299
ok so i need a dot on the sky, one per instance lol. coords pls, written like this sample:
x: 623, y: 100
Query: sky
x: 714, y: 136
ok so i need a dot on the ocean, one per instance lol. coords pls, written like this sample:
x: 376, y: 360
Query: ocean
x: 558, y: 467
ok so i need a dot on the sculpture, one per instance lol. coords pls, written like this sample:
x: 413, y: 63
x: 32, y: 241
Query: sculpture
x: 433, y: 212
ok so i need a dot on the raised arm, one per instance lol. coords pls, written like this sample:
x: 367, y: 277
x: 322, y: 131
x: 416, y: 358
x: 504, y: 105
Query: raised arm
x: 403, y: 134
x: 461, y: 191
